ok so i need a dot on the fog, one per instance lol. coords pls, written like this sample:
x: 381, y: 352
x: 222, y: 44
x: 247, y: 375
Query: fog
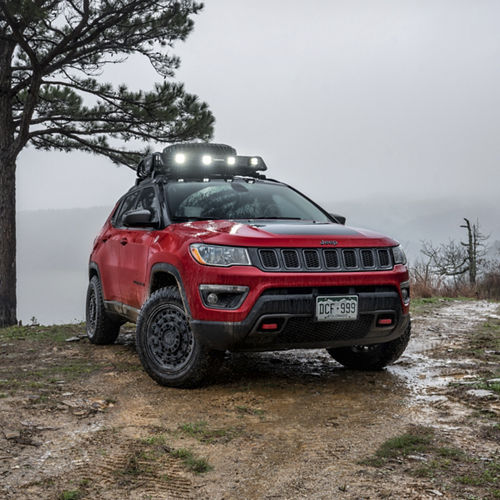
x: 54, y: 245
x: 387, y: 111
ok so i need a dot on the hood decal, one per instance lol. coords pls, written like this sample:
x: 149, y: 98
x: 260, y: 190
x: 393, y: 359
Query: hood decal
x: 308, y: 229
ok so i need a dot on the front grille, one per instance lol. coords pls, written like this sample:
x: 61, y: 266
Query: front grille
x: 383, y: 257
x: 269, y: 259
x: 311, y: 258
x: 331, y: 259
x: 291, y: 259
x: 349, y: 258
x: 322, y: 259
x: 367, y: 258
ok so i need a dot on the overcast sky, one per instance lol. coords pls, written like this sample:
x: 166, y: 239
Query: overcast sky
x: 344, y: 99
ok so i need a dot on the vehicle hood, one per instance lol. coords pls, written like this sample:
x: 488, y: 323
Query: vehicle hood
x: 278, y: 233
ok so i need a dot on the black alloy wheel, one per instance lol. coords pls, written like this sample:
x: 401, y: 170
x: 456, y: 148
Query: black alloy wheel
x: 168, y: 349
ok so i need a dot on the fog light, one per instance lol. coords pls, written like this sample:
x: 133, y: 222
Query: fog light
x: 223, y: 296
x: 206, y: 160
x: 212, y: 299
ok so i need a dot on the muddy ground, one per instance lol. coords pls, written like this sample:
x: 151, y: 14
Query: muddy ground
x: 80, y: 421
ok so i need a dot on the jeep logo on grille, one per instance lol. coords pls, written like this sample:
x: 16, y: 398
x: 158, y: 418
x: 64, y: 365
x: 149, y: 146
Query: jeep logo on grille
x: 329, y: 242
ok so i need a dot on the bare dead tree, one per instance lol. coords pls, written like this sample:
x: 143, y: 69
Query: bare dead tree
x: 457, y: 260
x: 476, y: 248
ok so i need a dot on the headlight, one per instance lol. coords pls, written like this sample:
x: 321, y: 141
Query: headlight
x: 214, y: 255
x: 399, y: 255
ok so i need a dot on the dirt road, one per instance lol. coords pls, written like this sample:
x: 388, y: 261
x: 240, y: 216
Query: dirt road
x: 79, y: 421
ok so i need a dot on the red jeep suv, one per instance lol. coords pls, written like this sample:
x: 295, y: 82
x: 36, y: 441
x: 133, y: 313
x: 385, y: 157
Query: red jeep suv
x: 206, y: 255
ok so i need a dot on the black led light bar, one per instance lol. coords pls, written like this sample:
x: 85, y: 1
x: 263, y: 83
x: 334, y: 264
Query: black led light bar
x: 199, y: 160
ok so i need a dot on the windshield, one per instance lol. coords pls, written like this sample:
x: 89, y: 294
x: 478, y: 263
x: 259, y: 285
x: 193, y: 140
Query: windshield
x: 239, y: 199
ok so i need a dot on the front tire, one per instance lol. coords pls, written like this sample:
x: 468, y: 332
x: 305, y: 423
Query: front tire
x: 168, y: 349
x: 101, y: 329
x: 372, y: 357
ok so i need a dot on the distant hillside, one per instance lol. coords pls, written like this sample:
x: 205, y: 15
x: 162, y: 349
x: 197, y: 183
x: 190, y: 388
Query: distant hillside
x: 411, y: 222
x: 54, y: 245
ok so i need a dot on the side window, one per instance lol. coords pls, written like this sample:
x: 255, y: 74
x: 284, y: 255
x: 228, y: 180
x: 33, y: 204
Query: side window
x: 147, y: 201
x: 127, y: 204
x: 144, y: 199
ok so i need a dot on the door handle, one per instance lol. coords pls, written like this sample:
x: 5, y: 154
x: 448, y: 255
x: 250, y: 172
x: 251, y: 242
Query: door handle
x: 123, y: 241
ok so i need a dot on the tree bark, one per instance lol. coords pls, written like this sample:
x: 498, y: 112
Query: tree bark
x: 8, y: 302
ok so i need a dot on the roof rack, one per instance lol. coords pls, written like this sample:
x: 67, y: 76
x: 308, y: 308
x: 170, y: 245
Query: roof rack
x: 199, y: 160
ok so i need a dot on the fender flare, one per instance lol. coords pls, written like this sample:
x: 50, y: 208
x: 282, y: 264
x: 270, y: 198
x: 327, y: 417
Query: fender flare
x: 170, y: 269
x: 94, y: 267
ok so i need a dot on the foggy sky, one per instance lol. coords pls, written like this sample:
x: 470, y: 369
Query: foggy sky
x: 343, y: 99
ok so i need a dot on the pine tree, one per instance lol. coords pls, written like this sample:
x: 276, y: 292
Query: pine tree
x: 52, y: 53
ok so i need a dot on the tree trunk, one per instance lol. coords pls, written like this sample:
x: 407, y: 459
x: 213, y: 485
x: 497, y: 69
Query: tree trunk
x: 7, y: 242
x: 7, y: 192
x: 471, y: 245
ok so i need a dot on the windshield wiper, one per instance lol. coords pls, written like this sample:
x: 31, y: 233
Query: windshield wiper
x: 275, y: 218
x: 190, y: 219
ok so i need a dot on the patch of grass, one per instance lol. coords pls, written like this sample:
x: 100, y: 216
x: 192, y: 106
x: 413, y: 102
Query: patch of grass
x: 156, y: 440
x: 157, y: 446
x: 138, y: 463
x: 191, y: 462
x: 3, y: 395
x: 451, y: 467
x: 452, y: 453
x: 490, y: 386
x: 204, y: 434
x: 70, y: 495
x: 49, y: 374
x: 489, y: 476
x: 250, y: 411
x: 484, y: 343
x: 429, y: 469
x: 485, y: 413
x: 56, y: 333
x: 416, y: 440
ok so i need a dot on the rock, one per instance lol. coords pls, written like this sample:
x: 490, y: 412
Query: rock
x: 71, y: 404
x: 480, y: 393
x: 12, y: 434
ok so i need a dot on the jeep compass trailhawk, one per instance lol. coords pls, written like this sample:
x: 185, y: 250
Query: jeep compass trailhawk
x: 206, y: 254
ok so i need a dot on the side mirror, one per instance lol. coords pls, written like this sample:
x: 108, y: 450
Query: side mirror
x: 339, y: 218
x: 138, y: 218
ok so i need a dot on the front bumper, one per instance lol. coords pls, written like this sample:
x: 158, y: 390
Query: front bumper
x: 293, y: 311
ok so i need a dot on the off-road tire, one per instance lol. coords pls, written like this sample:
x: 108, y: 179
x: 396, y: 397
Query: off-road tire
x: 168, y: 349
x: 101, y: 329
x: 372, y: 357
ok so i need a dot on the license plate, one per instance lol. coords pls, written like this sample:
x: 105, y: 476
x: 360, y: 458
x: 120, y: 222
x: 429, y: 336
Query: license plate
x: 337, y: 308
